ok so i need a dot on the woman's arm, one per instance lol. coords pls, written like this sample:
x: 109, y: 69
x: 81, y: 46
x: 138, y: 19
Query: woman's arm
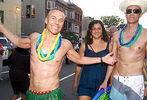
x: 78, y: 67
x: 108, y: 73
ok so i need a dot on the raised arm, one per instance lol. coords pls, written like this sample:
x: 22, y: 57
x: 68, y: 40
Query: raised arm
x: 23, y: 43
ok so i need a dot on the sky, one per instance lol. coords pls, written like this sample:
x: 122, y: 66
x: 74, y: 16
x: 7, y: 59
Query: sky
x: 98, y: 8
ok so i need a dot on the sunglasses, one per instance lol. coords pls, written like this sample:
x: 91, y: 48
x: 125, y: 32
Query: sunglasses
x: 135, y: 11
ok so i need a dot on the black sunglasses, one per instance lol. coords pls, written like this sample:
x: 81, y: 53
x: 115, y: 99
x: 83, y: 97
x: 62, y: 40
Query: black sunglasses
x: 135, y: 11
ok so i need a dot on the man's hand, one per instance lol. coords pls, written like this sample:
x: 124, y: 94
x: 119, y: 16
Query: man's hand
x: 109, y: 59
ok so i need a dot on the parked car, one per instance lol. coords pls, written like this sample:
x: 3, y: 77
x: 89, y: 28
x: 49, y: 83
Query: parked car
x: 7, y: 45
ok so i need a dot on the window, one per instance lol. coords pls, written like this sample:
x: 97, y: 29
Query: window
x: 52, y: 4
x: 28, y: 11
x: 76, y: 28
x: 72, y: 15
x: 66, y: 13
x: 2, y: 16
x: 80, y: 18
x: 3, y: 42
x: 65, y: 25
x: 76, y: 16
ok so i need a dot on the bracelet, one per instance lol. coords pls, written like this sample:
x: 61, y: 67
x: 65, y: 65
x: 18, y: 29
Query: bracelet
x: 101, y: 59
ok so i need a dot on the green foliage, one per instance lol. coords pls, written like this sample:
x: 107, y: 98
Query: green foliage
x: 112, y: 20
x: 71, y: 36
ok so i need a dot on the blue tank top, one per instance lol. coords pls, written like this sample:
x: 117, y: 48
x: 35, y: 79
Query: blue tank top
x: 93, y: 75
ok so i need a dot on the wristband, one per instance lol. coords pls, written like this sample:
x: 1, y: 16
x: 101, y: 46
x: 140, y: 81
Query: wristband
x: 101, y: 59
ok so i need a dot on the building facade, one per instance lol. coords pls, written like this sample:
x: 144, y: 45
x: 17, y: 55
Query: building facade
x: 33, y: 16
x: 28, y: 16
x: 10, y: 12
x: 86, y: 20
x: 36, y: 22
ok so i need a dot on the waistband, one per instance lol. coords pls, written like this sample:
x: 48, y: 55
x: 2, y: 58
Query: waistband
x: 138, y: 77
x: 42, y: 92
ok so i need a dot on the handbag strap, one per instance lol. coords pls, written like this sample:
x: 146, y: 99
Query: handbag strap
x: 93, y: 51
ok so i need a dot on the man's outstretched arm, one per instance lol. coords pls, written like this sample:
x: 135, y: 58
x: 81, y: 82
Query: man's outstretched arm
x: 75, y: 57
x: 23, y: 43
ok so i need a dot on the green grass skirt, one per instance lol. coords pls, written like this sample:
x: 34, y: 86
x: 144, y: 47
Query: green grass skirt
x: 54, y: 95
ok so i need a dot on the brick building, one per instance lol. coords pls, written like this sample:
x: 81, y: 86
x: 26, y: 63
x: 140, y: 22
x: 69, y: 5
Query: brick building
x: 73, y: 14
x: 35, y: 22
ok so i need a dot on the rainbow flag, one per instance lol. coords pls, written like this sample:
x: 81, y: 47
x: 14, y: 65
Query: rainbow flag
x: 33, y: 10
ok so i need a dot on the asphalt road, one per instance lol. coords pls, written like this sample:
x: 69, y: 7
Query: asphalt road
x: 66, y: 80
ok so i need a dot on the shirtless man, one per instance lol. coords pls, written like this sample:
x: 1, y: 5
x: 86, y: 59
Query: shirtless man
x: 128, y: 80
x: 44, y: 78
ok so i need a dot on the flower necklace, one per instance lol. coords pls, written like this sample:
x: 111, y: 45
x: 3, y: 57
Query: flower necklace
x: 51, y: 53
x: 134, y: 38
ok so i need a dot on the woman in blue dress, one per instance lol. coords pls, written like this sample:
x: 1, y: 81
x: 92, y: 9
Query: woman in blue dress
x: 95, y: 76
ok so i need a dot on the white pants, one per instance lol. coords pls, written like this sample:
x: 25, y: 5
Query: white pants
x: 134, y: 82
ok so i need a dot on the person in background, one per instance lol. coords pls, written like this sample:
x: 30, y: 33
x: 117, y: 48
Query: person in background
x: 93, y: 77
x: 1, y: 60
x: 19, y: 64
x: 130, y: 48
x: 47, y: 54
x: 113, y: 29
x: 76, y: 46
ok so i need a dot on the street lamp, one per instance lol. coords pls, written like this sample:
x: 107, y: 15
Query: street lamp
x: 17, y: 11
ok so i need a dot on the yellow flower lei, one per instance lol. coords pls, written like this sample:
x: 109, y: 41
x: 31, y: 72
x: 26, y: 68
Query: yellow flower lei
x: 41, y: 43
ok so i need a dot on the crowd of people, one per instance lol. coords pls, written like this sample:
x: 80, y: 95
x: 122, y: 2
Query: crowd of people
x: 101, y: 60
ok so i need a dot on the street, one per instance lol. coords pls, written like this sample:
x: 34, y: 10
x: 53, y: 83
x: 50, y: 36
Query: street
x: 66, y: 79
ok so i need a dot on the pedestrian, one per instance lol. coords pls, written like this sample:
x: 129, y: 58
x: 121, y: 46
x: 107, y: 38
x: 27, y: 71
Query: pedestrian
x: 130, y: 48
x: 113, y: 29
x: 1, y: 60
x: 47, y: 53
x: 19, y: 64
x: 76, y: 46
x: 93, y: 77
x: 67, y: 61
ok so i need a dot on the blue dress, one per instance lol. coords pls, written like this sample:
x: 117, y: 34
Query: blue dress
x: 92, y: 76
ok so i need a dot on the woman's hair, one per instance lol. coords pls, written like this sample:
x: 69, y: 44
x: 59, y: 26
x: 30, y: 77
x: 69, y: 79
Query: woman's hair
x: 88, y: 39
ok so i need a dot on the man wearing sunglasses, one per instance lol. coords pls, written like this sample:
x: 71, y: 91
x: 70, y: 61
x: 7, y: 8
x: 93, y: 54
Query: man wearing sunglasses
x: 130, y: 48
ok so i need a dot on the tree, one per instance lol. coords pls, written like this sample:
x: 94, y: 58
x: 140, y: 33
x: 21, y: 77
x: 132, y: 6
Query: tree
x: 112, y: 20
x: 71, y: 36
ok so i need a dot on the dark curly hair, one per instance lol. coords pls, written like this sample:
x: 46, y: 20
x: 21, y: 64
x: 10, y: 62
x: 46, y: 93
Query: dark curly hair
x: 89, y: 40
